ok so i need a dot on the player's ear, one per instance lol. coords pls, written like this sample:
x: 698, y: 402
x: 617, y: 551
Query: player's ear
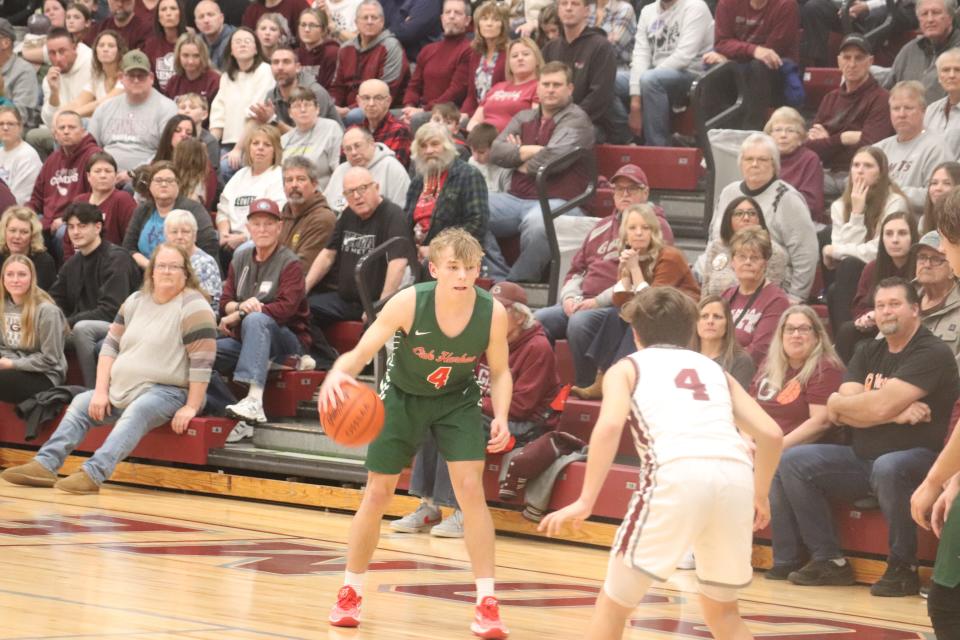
x: 432, y: 268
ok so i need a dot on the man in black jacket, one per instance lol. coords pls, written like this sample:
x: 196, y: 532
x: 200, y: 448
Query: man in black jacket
x: 92, y: 284
x: 588, y: 52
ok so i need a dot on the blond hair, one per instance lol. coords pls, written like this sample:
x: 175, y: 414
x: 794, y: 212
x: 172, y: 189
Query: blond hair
x: 23, y: 214
x: 465, y: 247
x: 34, y: 298
x: 775, y: 367
x: 649, y: 215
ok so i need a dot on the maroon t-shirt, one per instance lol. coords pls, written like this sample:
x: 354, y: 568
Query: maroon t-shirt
x: 289, y: 9
x: 756, y: 317
x: 207, y: 85
x: 134, y: 34
x: 160, y: 54
x: 320, y: 62
x: 117, y: 211
x: 790, y: 406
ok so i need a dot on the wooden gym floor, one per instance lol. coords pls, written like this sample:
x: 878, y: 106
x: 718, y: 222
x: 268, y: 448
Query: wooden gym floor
x: 151, y: 565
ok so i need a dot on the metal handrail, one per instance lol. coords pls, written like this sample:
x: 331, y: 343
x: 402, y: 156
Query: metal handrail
x: 549, y: 215
x: 366, y: 299
x: 713, y: 78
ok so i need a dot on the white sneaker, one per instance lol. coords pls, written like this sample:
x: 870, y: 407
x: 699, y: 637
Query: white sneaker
x: 241, y: 431
x: 420, y: 520
x: 452, y: 527
x: 248, y: 410
x: 687, y: 561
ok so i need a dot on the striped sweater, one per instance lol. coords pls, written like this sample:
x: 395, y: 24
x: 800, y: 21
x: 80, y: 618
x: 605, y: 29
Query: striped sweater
x: 170, y: 344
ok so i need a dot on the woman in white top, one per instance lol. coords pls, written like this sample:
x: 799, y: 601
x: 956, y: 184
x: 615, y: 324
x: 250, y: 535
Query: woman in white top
x: 246, y: 79
x: 105, y: 81
x: 260, y: 177
x: 19, y: 162
x: 869, y: 197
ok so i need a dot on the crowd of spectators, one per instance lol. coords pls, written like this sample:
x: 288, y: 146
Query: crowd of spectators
x: 187, y: 193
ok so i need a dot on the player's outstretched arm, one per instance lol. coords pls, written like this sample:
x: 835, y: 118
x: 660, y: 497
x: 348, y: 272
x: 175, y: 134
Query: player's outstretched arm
x: 396, y: 314
x: 618, y: 386
x: 946, y: 467
x: 501, y: 383
x: 751, y: 418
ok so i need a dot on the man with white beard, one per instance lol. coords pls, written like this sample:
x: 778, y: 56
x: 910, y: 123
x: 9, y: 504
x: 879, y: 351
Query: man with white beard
x: 440, y: 171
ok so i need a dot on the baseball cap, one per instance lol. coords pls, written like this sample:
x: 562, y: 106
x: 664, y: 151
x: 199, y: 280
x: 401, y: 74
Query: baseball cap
x: 264, y: 205
x: 134, y: 60
x: 930, y: 239
x: 632, y: 173
x: 6, y: 29
x: 857, y: 40
x: 509, y: 293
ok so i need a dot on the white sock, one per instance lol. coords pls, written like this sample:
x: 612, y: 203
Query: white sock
x: 429, y: 502
x: 255, y: 392
x: 354, y: 580
x: 484, y: 588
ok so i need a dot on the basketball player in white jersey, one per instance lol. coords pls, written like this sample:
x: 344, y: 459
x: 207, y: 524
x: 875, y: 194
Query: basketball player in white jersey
x: 698, y: 486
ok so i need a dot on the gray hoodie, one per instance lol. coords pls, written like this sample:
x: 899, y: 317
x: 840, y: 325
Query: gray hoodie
x: 386, y: 170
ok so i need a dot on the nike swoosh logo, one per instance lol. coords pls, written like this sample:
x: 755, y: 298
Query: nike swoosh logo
x: 420, y: 333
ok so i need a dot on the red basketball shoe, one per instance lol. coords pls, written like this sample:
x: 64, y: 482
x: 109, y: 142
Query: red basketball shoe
x: 486, y: 623
x: 346, y: 613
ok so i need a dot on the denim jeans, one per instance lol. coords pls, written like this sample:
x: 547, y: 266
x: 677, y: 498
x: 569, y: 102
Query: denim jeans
x: 431, y: 476
x: 261, y: 341
x: 510, y: 215
x: 660, y: 88
x: 84, y: 338
x: 811, y: 474
x: 619, y: 111
x: 582, y: 328
x: 152, y: 408
x: 554, y: 321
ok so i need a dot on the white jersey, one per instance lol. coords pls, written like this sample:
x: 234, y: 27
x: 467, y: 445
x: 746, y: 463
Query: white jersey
x: 681, y: 408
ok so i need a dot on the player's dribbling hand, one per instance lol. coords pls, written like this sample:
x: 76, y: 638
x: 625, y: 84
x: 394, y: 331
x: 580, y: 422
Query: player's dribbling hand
x: 761, y: 512
x: 576, y: 512
x: 331, y: 392
x: 499, y: 436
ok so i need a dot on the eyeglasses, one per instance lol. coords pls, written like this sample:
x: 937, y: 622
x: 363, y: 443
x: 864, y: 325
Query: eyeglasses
x: 743, y: 257
x: 357, y: 191
x: 932, y: 260
x: 630, y: 190
x: 802, y: 329
x: 163, y: 181
x: 309, y: 25
x: 168, y: 268
x: 372, y: 98
x: 745, y: 213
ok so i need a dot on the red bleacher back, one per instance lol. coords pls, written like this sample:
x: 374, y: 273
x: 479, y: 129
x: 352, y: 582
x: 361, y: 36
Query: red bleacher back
x: 673, y: 168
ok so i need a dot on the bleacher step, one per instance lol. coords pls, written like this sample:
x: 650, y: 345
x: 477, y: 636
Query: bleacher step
x: 248, y: 457
x: 684, y: 211
x: 307, y: 437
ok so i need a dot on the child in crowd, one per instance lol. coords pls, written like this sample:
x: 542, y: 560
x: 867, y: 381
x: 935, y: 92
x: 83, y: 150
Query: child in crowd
x: 448, y: 115
x: 480, y: 140
x: 197, y: 107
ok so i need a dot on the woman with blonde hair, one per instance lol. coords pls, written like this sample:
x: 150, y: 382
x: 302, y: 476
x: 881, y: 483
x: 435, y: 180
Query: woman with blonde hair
x: 193, y: 72
x: 22, y: 234
x: 34, y: 330
x: 488, y: 53
x: 645, y: 261
x: 797, y: 377
x: 800, y: 167
x: 260, y: 177
x: 518, y: 92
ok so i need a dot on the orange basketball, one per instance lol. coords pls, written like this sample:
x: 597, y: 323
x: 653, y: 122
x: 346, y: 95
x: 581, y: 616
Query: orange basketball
x: 357, y: 420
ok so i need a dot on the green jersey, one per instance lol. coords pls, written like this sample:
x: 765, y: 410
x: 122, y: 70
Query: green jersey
x: 425, y: 362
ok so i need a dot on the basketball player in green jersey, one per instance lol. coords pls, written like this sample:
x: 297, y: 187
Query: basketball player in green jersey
x: 440, y: 329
